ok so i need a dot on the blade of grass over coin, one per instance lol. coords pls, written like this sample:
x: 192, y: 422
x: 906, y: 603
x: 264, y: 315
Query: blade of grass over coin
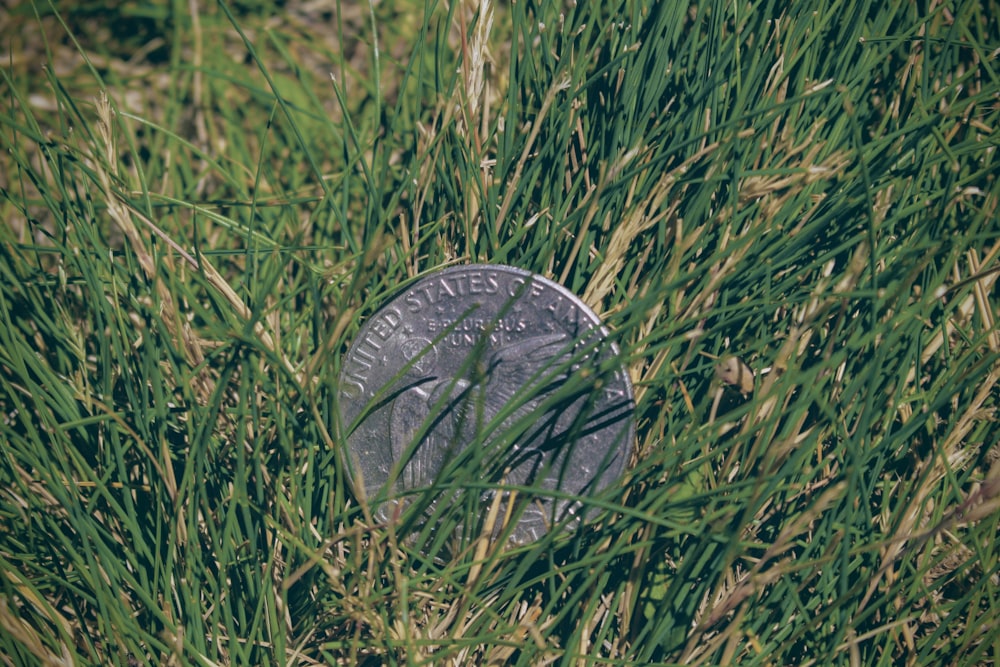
x: 783, y: 214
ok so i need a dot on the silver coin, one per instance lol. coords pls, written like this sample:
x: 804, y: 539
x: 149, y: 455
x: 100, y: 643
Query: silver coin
x: 470, y: 366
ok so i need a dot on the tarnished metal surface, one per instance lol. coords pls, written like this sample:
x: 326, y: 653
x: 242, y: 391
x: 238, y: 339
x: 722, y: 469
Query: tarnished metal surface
x: 479, y: 356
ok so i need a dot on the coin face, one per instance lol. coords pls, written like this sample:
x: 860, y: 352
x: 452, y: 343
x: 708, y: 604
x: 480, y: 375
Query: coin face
x: 493, y: 367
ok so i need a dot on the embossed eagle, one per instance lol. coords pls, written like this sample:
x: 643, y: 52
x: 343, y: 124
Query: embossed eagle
x: 434, y: 420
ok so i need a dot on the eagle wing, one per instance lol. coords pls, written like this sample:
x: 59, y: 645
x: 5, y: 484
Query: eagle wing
x: 427, y: 426
x: 520, y: 376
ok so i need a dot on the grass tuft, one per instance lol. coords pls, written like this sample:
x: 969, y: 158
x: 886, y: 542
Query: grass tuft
x: 786, y: 215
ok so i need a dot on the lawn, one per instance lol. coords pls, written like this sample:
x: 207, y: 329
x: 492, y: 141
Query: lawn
x: 785, y: 214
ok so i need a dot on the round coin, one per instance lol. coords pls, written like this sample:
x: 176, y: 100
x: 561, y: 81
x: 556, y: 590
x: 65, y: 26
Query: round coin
x: 494, y: 367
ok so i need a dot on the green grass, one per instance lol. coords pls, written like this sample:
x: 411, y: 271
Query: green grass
x: 202, y: 202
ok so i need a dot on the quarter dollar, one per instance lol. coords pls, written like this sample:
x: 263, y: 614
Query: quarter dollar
x: 494, y: 367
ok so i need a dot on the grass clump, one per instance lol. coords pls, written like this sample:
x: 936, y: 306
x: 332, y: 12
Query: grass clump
x: 785, y: 215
